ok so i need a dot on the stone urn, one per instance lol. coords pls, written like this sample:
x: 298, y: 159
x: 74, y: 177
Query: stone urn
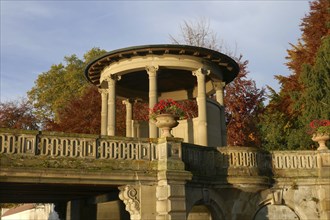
x: 166, y: 122
x: 321, y: 139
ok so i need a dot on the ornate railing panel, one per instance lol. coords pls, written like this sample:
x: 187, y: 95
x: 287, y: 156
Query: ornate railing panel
x: 126, y: 150
x: 294, y: 159
x: 13, y: 143
x: 76, y: 146
x: 67, y: 147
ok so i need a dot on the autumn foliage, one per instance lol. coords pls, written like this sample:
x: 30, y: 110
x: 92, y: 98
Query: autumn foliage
x: 80, y: 115
x: 314, y: 28
x: 305, y: 93
x: 18, y: 115
x: 244, y: 104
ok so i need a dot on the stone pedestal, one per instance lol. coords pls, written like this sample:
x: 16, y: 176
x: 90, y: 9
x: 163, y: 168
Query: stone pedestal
x: 164, y: 198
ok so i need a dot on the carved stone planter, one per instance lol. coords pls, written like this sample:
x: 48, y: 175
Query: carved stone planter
x: 166, y: 122
x: 321, y: 139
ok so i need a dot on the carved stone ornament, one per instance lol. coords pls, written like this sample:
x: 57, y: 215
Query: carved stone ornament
x: 201, y: 72
x: 130, y: 196
x: 277, y: 197
x: 152, y: 70
x: 112, y: 78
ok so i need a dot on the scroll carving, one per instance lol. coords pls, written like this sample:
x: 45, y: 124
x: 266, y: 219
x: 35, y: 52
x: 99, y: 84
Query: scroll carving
x: 130, y: 196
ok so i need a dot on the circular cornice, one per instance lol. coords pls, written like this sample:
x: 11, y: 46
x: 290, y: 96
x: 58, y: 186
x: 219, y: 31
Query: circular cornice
x: 229, y: 67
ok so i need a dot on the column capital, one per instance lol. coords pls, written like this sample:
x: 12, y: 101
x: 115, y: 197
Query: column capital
x: 201, y: 72
x: 152, y: 70
x: 103, y: 91
x: 128, y: 101
x: 131, y: 197
x: 219, y: 85
x: 112, y: 77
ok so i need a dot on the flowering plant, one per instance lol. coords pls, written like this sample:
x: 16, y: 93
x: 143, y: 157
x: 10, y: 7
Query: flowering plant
x: 168, y: 106
x: 320, y: 126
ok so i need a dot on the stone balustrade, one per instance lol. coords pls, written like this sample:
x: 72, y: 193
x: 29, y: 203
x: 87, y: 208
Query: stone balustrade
x: 56, y: 144
x: 221, y: 161
x: 246, y: 161
x: 294, y: 159
x: 226, y: 160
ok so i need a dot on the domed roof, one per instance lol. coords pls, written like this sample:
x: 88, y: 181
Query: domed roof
x: 171, y: 77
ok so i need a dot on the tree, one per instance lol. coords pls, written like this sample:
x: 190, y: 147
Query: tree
x: 54, y: 88
x: 80, y: 114
x: 315, y: 98
x: 244, y: 102
x: 302, y: 93
x: 18, y: 115
x: 197, y: 33
x: 314, y: 28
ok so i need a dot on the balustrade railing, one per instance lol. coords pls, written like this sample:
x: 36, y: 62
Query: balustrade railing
x: 294, y: 159
x: 201, y: 159
x: 79, y: 146
x: 220, y: 160
x: 204, y: 159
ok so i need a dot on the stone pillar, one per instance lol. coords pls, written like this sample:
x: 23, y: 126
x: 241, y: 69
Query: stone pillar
x: 112, y: 104
x: 323, y: 162
x: 129, y: 117
x: 136, y: 129
x: 219, y: 89
x: 164, y: 199
x: 201, y: 102
x: 153, y: 97
x: 172, y: 177
x: 104, y: 111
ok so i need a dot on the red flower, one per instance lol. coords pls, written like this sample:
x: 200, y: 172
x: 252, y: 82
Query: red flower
x: 168, y: 106
x: 321, y: 126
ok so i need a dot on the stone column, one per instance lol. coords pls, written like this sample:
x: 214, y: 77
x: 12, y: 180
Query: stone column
x: 104, y: 111
x: 201, y: 102
x: 153, y: 97
x: 112, y: 104
x: 219, y: 92
x: 129, y: 117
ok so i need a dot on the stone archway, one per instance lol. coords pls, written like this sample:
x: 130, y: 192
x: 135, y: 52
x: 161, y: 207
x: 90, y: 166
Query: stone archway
x: 204, y: 203
x: 200, y: 212
x: 274, y: 212
x: 206, y: 211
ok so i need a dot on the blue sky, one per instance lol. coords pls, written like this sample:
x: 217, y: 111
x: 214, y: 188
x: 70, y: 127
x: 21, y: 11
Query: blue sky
x: 37, y: 34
